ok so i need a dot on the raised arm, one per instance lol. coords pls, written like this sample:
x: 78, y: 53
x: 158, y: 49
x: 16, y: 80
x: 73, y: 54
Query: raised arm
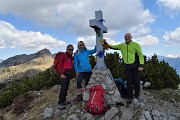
x: 92, y: 51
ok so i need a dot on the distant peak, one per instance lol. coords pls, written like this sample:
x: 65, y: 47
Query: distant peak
x: 20, y: 59
x: 44, y: 52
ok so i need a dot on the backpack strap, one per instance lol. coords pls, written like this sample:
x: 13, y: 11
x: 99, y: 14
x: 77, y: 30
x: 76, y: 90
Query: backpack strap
x: 65, y: 56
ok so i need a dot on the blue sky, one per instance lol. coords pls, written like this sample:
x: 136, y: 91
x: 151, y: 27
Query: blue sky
x: 29, y: 26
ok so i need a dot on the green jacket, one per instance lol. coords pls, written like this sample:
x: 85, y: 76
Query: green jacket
x: 128, y: 51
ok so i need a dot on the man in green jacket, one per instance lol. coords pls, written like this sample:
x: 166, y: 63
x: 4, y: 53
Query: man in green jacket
x: 134, y: 60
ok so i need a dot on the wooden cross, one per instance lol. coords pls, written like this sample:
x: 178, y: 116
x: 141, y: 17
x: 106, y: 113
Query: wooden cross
x: 99, y: 28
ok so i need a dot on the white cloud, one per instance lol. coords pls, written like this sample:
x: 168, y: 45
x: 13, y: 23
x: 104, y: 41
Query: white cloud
x: 111, y: 41
x: 139, y: 30
x: 171, y: 6
x: 13, y: 38
x: 172, y: 37
x: 148, y: 40
x: 74, y: 15
x: 89, y: 41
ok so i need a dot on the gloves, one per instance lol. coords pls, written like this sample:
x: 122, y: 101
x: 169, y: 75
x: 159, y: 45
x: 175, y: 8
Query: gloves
x: 104, y: 43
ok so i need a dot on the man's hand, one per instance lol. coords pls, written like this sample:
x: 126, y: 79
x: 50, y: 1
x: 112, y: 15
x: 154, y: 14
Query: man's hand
x: 104, y: 43
x: 63, y: 76
x: 140, y: 68
x: 104, y: 40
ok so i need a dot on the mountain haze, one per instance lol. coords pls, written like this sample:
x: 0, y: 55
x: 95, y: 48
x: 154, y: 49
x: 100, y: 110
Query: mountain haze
x: 173, y: 62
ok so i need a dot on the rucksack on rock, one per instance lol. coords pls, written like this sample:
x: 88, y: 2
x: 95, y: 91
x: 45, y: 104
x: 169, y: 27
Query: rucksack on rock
x: 67, y: 62
x: 96, y: 103
x: 122, y: 87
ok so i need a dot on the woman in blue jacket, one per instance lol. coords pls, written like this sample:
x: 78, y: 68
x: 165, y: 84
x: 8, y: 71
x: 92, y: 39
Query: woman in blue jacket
x: 82, y: 67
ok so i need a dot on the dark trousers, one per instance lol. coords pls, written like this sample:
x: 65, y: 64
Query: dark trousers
x: 81, y: 76
x: 133, y: 82
x: 64, y: 88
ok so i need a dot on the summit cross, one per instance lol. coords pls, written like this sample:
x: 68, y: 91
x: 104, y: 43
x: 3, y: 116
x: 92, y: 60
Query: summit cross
x: 99, y: 28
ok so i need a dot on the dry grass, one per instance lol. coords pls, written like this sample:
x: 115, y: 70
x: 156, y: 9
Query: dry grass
x: 167, y: 94
x: 47, y: 98
x: 28, y: 69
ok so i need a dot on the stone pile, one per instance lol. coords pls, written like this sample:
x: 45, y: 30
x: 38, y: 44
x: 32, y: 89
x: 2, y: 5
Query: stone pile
x: 104, y: 78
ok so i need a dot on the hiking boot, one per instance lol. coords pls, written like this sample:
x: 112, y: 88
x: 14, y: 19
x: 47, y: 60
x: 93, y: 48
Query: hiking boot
x: 78, y: 98
x: 66, y: 102
x: 129, y: 101
x: 61, y: 106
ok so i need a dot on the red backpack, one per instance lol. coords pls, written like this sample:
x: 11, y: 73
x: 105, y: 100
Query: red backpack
x: 67, y: 63
x: 96, y: 104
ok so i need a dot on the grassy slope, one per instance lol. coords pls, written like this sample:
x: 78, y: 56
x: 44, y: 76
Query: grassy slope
x: 36, y: 65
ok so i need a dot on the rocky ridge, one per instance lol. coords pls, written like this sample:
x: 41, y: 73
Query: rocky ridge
x: 29, y: 69
x: 25, y: 65
x: 21, y: 59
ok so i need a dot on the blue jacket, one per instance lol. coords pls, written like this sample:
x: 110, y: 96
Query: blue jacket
x: 82, y: 61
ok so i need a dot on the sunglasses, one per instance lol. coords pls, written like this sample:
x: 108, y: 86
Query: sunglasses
x: 81, y: 45
x: 70, y: 49
x: 127, y: 37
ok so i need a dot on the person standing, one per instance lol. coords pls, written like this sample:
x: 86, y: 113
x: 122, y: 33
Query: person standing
x: 82, y: 67
x: 65, y: 68
x: 134, y: 60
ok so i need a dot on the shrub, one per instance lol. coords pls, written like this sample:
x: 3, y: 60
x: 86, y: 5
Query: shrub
x: 159, y: 73
x: 44, y: 79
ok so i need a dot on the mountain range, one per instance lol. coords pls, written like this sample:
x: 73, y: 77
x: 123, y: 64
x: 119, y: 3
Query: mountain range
x: 1, y: 60
x: 21, y: 59
x: 173, y: 62
x: 23, y: 65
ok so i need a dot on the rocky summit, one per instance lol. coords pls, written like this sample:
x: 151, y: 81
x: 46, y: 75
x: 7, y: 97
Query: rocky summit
x: 21, y: 59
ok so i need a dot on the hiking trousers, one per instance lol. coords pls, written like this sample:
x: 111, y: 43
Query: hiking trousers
x: 81, y: 76
x: 133, y: 82
x: 64, y: 88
